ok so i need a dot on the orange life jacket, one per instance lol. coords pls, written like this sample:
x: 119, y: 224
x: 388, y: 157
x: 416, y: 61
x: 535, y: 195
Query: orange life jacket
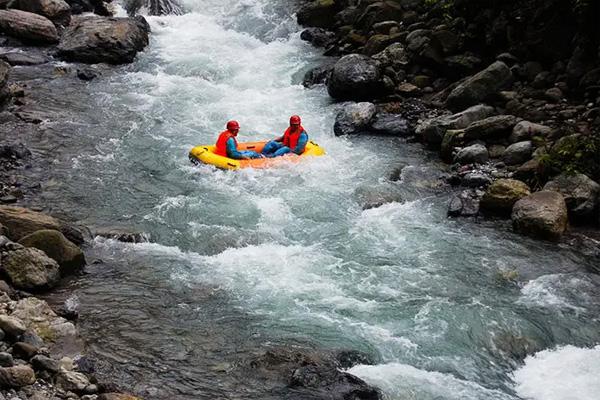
x: 290, y: 139
x: 222, y: 143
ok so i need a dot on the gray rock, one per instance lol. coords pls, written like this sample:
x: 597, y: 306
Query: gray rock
x: 28, y: 26
x: 354, y: 118
x: 479, y: 87
x: 318, y: 14
x: 541, y: 215
x: 30, y: 269
x: 476, y: 153
x: 394, y: 55
x: 22, y: 222
x: 433, y: 131
x: 17, y: 376
x: 318, y: 37
x: 16, y: 58
x: 57, y: 11
x: 496, y: 150
x: 554, y: 94
x: 43, y: 363
x: 581, y: 195
x: 24, y: 350
x: 475, y: 180
x: 517, y: 153
x: 6, y: 360
x: 373, y: 196
x: 502, y: 195
x: 58, y: 247
x: 355, y: 77
x: 72, y: 381
x: 390, y: 124
x: 495, y: 127
x: 12, y: 325
x: 317, y: 75
x: 525, y: 130
x: 109, y: 40
x: 465, y: 204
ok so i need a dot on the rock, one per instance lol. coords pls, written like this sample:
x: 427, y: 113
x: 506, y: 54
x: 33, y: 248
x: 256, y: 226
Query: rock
x: 463, y: 205
x: 110, y: 40
x: 57, y: 332
x: 58, y: 247
x: 475, y: 180
x: 476, y: 153
x: 16, y: 58
x: 448, y: 40
x: 376, y: 44
x: 70, y: 308
x: 318, y: 37
x: 6, y: 360
x: 72, y: 381
x: 432, y: 131
x: 117, y: 396
x: 541, y: 215
x: 17, y: 376
x: 12, y: 325
x: 517, y: 153
x: 590, y: 79
x: 390, y: 124
x: 30, y: 269
x: 355, y: 77
x: 86, y: 74
x: 529, y: 172
x: 98, y: 7
x: 394, y: 55
x: 491, y: 128
x: 507, y: 59
x: 24, y: 351
x: 554, y: 94
x: 479, y: 87
x: 43, y: 363
x: 57, y: 11
x: 408, y: 89
x: 496, y: 150
x: 124, y: 236
x: 22, y: 222
x: 369, y: 196
x: 319, y: 13
x: 581, y: 194
x: 317, y: 75
x: 349, y: 358
x: 502, y: 195
x: 313, y: 377
x: 525, y: 130
x: 354, y: 118
x: 461, y: 65
x: 32, y: 338
x: 28, y: 26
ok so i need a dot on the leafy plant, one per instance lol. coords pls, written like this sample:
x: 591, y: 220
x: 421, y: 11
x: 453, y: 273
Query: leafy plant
x: 574, y: 154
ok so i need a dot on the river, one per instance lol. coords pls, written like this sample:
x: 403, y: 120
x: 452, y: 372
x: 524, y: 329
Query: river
x: 288, y: 255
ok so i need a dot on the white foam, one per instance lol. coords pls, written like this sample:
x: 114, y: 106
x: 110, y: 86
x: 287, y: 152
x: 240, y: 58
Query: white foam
x: 565, y: 373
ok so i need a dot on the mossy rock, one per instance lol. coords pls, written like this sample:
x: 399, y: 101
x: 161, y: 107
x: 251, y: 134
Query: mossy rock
x: 58, y: 247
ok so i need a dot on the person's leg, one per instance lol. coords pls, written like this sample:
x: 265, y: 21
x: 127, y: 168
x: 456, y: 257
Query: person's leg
x: 250, y: 154
x: 270, y: 148
x: 281, y: 151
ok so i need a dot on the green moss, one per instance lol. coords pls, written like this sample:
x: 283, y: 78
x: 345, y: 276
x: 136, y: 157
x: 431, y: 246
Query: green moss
x: 574, y: 154
x: 45, y: 332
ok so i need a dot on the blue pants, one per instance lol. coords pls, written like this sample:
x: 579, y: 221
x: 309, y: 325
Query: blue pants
x: 275, y: 149
x: 249, y: 154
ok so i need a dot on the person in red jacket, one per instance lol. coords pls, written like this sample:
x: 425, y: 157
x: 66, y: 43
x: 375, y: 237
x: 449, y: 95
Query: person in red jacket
x: 294, y: 140
x: 227, y: 144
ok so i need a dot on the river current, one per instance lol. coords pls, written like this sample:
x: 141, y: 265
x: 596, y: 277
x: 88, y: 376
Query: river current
x: 288, y: 255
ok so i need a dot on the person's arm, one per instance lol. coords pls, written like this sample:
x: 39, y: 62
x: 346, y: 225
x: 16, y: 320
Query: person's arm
x: 302, y: 140
x: 279, y: 139
x: 232, y: 151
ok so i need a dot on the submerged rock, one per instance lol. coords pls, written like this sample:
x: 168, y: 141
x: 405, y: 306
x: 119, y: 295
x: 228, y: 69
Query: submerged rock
x: 28, y: 26
x: 541, y: 215
x: 355, y: 77
x: 110, y: 40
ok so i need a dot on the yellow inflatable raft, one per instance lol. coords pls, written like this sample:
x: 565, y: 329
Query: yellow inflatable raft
x: 206, y: 154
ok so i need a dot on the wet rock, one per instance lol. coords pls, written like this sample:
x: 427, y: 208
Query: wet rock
x: 12, y: 325
x: 16, y: 151
x: 465, y: 204
x: 117, y: 396
x: 494, y: 127
x: 541, y: 215
x: 17, y: 58
x: 390, y: 124
x: 32, y: 338
x: 317, y: 75
x: 349, y: 358
x: 30, y: 269
x: 355, y: 77
x: 525, y: 130
x: 517, y: 153
x: 124, y: 236
x: 57, y: 11
x: 479, y: 87
x: 394, y: 55
x: 475, y: 179
x: 476, y: 153
x: 17, y: 376
x: 58, y: 247
x: 354, y: 118
x: 72, y: 381
x: 433, y: 131
x: 581, y: 194
x: 313, y: 377
x: 70, y: 308
x: 502, y: 195
x: 375, y: 196
x: 6, y: 360
x: 110, y: 40
x: 22, y: 222
x: 318, y: 37
x: 28, y: 26
x: 86, y: 74
x: 43, y: 363
x: 23, y: 350
x: 319, y: 14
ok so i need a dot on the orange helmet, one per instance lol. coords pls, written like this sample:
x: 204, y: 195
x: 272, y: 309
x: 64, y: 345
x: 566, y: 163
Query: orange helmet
x: 232, y: 125
x: 295, y: 120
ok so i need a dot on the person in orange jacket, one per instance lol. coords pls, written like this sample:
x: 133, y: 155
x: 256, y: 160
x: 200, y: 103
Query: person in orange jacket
x: 227, y: 145
x: 294, y: 140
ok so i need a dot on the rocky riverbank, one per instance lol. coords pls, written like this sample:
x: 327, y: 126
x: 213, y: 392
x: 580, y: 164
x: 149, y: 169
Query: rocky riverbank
x: 517, y: 119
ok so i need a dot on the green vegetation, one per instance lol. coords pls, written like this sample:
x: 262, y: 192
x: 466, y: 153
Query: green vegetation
x: 574, y: 154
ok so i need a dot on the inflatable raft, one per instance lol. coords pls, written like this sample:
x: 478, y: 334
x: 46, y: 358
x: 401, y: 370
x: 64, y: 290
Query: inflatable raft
x: 206, y: 154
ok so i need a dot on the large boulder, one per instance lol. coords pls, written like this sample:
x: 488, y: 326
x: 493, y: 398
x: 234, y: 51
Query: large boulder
x: 58, y: 247
x: 581, y: 194
x: 16, y: 377
x: 476, y: 153
x: 517, y: 153
x: 479, y: 87
x: 57, y: 11
x: 394, y: 56
x: 57, y: 332
x: 355, y: 77
x: 318, y: 13
x: 433, y: 131
x: 354, y: 118
x: 501, y: 196
x: 525, y: 130
x: 390, y: 124
x: 104, y: 40
x: 495, y: 127
x: 22, y: 222
x: 30, y: 269
x: 541, y: 215
x: 12, y: 325
x: 71, y: 381
x: 28, y: 26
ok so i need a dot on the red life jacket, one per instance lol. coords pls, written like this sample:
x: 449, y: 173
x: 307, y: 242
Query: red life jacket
x: 222, y: 143
x: 290, y: 139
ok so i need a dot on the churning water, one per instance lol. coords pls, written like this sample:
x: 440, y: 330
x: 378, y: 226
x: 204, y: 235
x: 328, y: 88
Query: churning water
x: 448, y: 309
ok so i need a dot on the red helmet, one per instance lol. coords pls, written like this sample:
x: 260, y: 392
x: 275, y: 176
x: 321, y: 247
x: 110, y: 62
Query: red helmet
x: 294, y: 120
x: 232, y: 125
